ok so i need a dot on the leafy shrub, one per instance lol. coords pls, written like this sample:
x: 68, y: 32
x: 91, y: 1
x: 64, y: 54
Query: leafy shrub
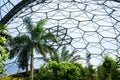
x: 61, y: 71
x: 75, y: 71
x: 53, y: 70
x: 108, y: 70
x: 3, y: 49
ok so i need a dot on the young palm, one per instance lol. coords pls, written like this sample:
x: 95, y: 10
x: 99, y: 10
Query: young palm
x: 36, y: 39
x: 64, y: 55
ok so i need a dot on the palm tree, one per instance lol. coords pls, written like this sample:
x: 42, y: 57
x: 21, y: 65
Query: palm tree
x: 66, y: 56
x: 37, y: 39
x: 108, y: 70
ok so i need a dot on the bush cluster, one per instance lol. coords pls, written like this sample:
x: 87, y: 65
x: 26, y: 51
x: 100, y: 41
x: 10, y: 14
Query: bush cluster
x: 61, y: 71
x: 53, y: 70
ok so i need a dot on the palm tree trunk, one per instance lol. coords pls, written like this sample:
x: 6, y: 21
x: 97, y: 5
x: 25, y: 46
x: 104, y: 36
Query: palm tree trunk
x: 31, y: 64
x: 27, y: 73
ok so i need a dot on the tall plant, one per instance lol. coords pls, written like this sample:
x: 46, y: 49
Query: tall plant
x: 37, y: 39
x: 108, y: 70
x: 66, y: 56
x: 3, y: 49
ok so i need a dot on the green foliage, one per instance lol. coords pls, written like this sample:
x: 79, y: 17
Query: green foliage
x: 75, y: 71
x: 3, y: 49
x: 61, y: 71
x: 66, y: 56
x: 53, y: 70
x: 108, y: 70
x: 90, y: 73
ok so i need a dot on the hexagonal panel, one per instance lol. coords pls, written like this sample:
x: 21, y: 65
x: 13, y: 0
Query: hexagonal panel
x: 95, y: 48
x: 111, y: 44
x: 92, y: 37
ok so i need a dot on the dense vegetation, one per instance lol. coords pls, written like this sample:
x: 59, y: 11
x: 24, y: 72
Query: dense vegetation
x: 61, y: 71
x: 53, y: 70
x: 75, y: 71
x: 3, y: 48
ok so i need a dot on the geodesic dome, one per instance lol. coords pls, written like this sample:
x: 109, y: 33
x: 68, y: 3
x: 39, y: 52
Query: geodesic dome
x: 90, y: 26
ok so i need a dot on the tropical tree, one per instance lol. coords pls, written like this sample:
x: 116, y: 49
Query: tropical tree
x: 108, y: 70
x: 37, y: 39
x: 3, y: 48
x: 66, y: 56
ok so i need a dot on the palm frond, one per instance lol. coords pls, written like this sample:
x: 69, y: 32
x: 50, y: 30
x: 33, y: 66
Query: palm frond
x: 14, y: 52
x: 18, y: 44
x: 22, y: 39
x: 70, y: 55
x: 28, y: 23
x: 39, y: 27
x: 64, y: 49
x: 43, y: 49
x: 23, y: 58
x: 64, y: 54
x: 38, y: 30
x: 50, y: 37
x: 75, y: 58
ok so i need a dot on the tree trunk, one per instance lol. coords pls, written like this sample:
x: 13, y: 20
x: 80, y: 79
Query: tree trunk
x: 27, y: 73
x: 31, y: 65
